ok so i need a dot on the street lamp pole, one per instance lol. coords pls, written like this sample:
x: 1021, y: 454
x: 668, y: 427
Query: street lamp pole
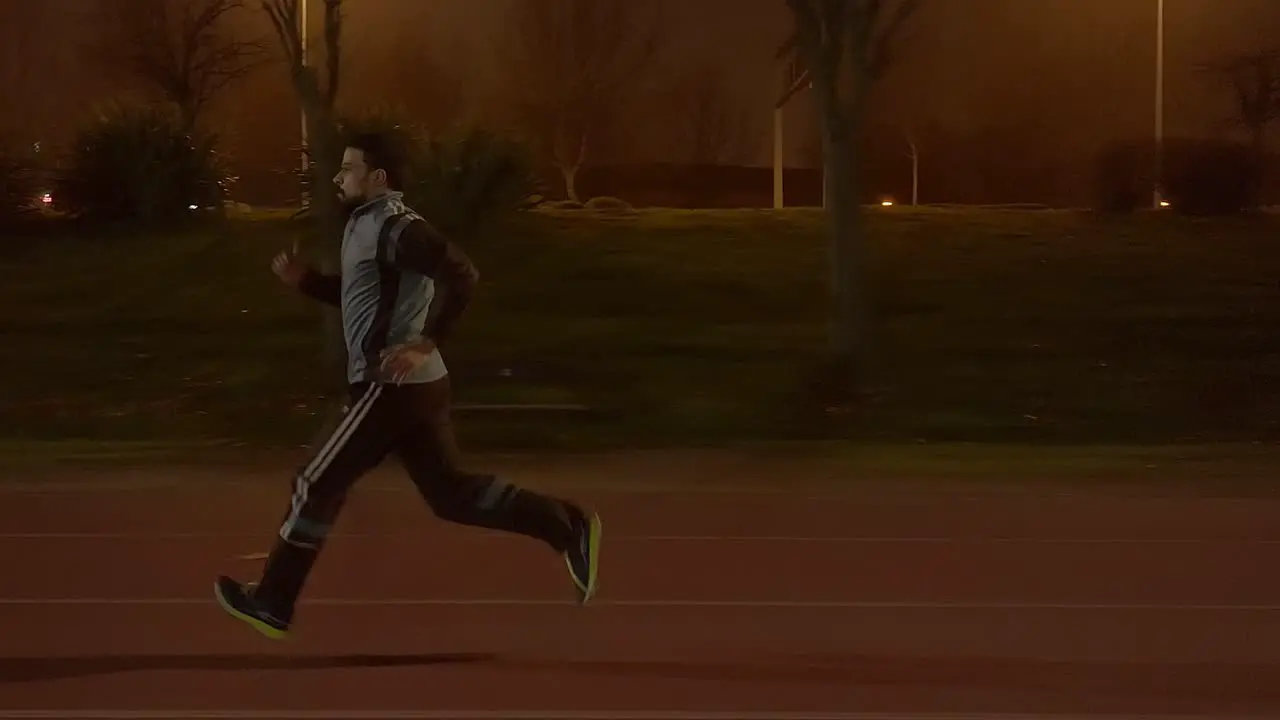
x: 1156, y: 198
x: 779, y: 147
x: 302, y: 46
x: 795, y: 78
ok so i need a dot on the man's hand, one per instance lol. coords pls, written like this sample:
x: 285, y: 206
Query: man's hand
x: 289, y: 267
x: 400, y: 361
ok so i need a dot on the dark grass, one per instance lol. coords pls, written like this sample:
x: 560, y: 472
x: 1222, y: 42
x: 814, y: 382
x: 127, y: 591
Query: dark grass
x: 683, y: 328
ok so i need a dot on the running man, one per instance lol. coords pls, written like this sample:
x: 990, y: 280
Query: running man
x: 402, y: 288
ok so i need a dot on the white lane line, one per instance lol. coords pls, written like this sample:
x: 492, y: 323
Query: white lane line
x: 560, y: 715
x: 834, y: 539
x: 667, y: 603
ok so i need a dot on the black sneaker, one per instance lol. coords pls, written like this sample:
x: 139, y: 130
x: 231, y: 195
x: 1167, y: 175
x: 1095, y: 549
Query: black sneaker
x: 583, y: 558
x: 240, y: 604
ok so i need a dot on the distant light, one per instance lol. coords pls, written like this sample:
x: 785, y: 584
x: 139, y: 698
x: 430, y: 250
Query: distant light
x: 1164, y: 203
x: 193, y: 207
x: 47, y: 199
x: 886, y: 203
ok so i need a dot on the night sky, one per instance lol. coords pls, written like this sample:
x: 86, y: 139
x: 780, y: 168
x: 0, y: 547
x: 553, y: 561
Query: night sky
x: 1081, y: 70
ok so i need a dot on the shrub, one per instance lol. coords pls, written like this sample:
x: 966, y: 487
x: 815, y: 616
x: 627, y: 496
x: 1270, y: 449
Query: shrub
x: 1198, y: 176
x: 612, y: 205
x: 562, y: 205
x: 464, y: 181
x: 473, y: 179
x: 1122, y: 177
x: 139, y: 164
x: 18, y: 186
x: 1210, y: 177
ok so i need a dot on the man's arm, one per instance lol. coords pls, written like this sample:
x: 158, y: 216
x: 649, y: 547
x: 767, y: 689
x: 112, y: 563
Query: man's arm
x: 422, y: 249
x: 319, y: 286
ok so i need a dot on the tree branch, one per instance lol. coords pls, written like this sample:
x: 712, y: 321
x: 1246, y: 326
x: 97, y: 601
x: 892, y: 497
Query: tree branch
x: 284, y: 20
x: 881, y: 42
x: 1254, y: 79
x: 187, y: 55
x: 333, y: 47
x: 572, y: 65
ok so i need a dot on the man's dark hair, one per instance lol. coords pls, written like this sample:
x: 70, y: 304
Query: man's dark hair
x: 382, y: 151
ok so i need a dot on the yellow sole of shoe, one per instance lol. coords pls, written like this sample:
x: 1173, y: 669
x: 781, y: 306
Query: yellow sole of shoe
x: 593, y: 574
x: 251, y: 621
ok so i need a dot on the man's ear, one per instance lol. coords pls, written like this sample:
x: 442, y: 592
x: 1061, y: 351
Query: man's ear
x: 380, y: 176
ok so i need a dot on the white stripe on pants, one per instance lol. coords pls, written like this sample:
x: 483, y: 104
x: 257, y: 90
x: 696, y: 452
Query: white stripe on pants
x: 324, y: 457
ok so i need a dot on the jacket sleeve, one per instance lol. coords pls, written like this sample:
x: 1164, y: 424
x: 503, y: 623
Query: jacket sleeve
x: 420, y: 248
x: 319, y: 286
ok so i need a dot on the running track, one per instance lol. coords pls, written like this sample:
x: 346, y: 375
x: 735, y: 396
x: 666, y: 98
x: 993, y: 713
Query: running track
x: 902, y: 606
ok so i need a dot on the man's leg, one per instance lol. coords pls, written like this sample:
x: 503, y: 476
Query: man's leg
x: 360, y: 441
x: 430, y: 454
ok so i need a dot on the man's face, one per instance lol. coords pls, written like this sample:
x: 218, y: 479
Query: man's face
x: 356, y: 184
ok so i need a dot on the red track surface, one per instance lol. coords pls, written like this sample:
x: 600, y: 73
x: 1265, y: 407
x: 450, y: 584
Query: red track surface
x: 996, y: 603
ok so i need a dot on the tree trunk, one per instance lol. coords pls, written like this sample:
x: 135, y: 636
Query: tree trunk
x: 326, y: 228
x: 1258, y: 144
x: 570, y: 175
x: 569, y: 154
x: 844, y: 209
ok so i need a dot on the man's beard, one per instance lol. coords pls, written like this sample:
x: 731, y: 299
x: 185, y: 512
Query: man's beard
x: 350, y: 202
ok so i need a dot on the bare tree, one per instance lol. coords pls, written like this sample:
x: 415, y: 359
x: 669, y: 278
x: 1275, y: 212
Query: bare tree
x: 1254, y: 79
x: 845, y: 45
x: 184, y: 49
x: 317, y: 94
x: 710, y: 125
x: 570, y: 67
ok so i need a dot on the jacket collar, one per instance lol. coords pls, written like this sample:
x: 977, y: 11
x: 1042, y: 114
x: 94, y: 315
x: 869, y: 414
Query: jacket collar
x: 376, y: 202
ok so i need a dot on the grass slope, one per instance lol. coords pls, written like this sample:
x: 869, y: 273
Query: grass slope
x: 683, y: 327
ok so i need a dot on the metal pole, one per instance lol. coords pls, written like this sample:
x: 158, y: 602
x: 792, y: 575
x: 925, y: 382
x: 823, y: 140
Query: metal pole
x: 777, y: 159
x: 915, y: 176
x: 825, y: 172
x: 1159, y: 109
x: 302, y: 37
